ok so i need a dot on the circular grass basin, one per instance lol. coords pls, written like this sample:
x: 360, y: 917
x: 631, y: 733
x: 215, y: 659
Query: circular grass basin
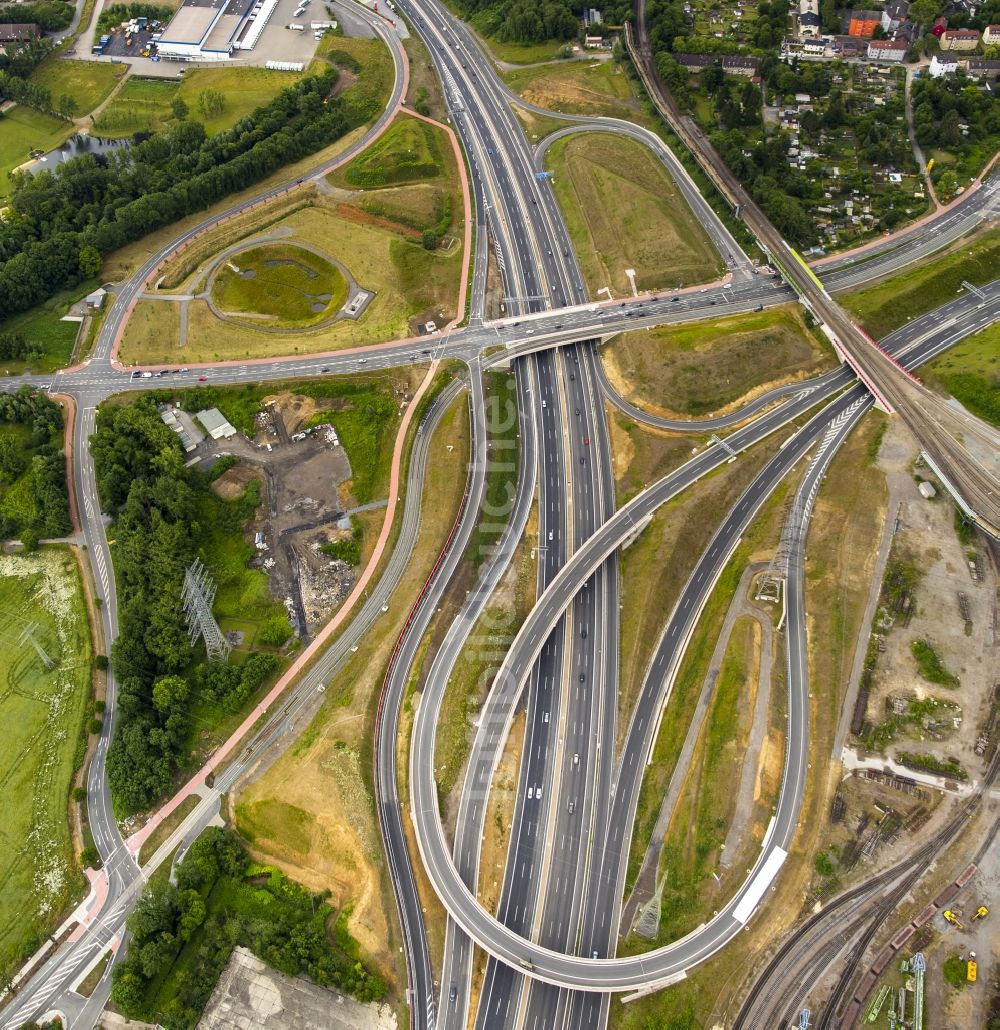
x: 280, y: 285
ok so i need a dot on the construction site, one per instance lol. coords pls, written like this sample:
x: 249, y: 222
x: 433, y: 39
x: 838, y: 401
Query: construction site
x: 304, y: 479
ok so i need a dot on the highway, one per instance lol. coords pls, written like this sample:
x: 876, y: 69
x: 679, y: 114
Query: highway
x: 540, y: 275
x: 937, y: 428
x: 70, y: 961
x: 659, y: 966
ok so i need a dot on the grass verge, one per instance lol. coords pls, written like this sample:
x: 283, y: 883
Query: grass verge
x: 709, y: 367
x: 891, y: 303
x: 166, y: 828
x: 326, y: 773
x: 623, y: 211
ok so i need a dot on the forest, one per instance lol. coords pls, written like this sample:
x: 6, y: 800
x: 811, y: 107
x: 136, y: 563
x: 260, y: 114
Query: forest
x: 184, y: 933
x: 34, y: 502
x: 51, y: 15
x: 154, y: 501
x: 61, y: 222
x: 522, y: 21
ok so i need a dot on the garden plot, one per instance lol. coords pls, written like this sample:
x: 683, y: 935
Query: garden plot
x: 42, y: 711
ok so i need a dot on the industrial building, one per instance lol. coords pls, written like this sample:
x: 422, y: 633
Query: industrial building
x: 216, y: 424
x: 210, y: 30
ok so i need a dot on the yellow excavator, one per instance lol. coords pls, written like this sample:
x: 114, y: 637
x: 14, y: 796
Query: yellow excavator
x: 952, y: 918
x: 981, y: 913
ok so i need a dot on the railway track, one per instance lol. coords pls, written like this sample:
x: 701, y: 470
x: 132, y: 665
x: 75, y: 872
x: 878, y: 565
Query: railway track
x: 769, y: 992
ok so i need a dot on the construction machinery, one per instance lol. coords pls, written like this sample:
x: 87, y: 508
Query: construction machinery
x: 952, y: 918
x: 971, y: 968
x: 981, y: 913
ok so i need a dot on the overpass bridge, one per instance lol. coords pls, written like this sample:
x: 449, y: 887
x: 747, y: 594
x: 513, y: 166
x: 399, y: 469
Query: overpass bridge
x: 947, y: 438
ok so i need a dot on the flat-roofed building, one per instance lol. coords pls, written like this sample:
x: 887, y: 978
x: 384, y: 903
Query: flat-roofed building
x: 204, y: 30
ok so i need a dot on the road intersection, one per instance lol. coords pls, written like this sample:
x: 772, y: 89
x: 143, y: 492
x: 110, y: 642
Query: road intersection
x: 547, y: 311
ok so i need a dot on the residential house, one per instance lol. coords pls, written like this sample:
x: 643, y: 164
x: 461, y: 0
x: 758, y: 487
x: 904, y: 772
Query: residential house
x: 991, y: 35
x: 887, y: 50
x: 941, y: 65
x: 863, y: 23
x: 961, y: 40
x: 895, y: 13
x: 981, y: 69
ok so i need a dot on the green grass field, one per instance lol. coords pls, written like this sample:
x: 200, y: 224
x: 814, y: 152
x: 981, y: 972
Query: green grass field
x: 142, y: 105
x: 623, y: 212
x: 43, y: 326
x: 887, y: 305
x: 87, y: 82
x: 23, y: 130
x: 577, y: 87
x: 43, y: 712
x: 970, y: 372
x: 287, y: 285
x: 702, y: 367
x: 409, y: 151
x: 366, y: 71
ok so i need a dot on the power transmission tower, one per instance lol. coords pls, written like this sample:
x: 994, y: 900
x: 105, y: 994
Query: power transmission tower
x: 198, y: 594
x: 29, y: 635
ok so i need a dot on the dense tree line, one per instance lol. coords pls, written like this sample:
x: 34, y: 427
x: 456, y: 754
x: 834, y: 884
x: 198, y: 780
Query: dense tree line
x: 21, y: 59
x: 37, y: 462
x: 212, y: 909
x: 230, y: 685
x: 952, y: 112
x: 51, y: 15
x: 14, y: 347
x: 114, y: 15
x: 524, y: 21
x: 60, y: 221
x: 153, y: 499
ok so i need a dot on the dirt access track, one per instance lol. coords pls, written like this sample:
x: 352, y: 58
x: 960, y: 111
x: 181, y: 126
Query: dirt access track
x: 305, y: 501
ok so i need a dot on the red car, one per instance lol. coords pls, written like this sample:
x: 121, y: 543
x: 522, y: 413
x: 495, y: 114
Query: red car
x: 586, y: 440
x: 202, y: 379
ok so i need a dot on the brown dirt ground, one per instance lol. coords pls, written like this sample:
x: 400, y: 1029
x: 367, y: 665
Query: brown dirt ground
x: 325, y: 773
x: 661, y: 372
x: 233, y: 483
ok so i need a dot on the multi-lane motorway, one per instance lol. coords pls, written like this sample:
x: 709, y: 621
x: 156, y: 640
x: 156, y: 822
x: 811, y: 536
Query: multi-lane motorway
x: 562, y: 882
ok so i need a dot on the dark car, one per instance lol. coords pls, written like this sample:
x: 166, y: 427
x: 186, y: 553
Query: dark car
x: 452, y: 994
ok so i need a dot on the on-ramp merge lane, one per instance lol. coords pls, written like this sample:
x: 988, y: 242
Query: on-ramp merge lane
x: 624, y: 973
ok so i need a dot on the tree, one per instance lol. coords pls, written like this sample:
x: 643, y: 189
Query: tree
x: 169, y: 693
x: 79, y: 794
x: 429, y: 239
x: 947, y: 185
x: 89, y: 858
x: 923, y: 12
x: 90, y: 261
x: 179, y: 108
x: 67, y: 106
x: 211, y: 103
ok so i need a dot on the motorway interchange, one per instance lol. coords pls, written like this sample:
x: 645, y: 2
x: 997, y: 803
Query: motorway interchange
x: 551, y: 943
